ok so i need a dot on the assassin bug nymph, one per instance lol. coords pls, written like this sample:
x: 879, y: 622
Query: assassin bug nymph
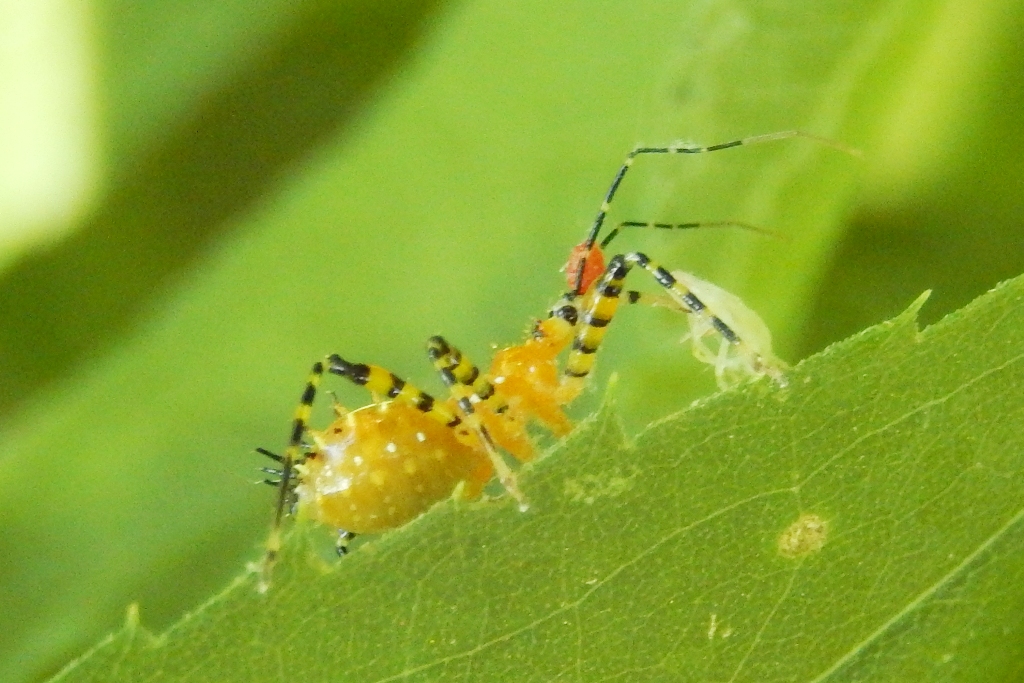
x: 380, y: 466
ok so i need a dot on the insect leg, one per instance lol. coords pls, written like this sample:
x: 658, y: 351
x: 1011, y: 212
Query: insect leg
x: 380, y: 381
x: 287, y: 470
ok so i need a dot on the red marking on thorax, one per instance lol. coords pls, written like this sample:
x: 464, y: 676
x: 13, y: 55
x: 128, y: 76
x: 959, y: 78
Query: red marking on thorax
x: 593, y: 267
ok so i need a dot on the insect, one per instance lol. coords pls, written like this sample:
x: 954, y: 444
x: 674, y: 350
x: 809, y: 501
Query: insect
x: 380, y: 466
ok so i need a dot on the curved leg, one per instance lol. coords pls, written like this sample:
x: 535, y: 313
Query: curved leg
x: 291, y: 456
x: 474, y: 393
x: 600, y: 306
x: 457, y: 371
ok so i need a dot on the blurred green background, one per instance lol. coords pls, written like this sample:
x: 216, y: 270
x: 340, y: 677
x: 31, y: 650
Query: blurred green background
x: 230, y: 191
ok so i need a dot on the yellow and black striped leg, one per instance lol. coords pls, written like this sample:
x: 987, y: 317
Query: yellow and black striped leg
x: 474, y: 393
x: 746, y: 335
x: 469, y: 386
x: 600, y: 308
x: 384, y: 383
x: 662, y: 300
x: 603, y: 302
x: 291, y: 456
x: 381, y: 382
x: 596, y: 313
x: 696, y: 334
x: 683, y: 296
x: 458, y: 371
x: 462, y: 376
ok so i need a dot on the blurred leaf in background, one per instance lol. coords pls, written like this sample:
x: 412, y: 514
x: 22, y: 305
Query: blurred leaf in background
x: 943, y: 208
x: 49, y: 157
x: 283, y: 180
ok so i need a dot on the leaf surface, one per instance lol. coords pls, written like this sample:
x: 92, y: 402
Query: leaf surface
x: 864, y: 523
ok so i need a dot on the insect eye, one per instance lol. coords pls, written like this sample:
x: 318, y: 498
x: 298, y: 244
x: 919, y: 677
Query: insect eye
x: 568, y: 313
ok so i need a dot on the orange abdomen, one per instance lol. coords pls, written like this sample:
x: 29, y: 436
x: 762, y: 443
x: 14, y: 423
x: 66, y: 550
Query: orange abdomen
x: 381, y: 466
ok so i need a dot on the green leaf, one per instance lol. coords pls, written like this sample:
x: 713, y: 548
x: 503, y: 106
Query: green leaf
x: 865, y: 523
